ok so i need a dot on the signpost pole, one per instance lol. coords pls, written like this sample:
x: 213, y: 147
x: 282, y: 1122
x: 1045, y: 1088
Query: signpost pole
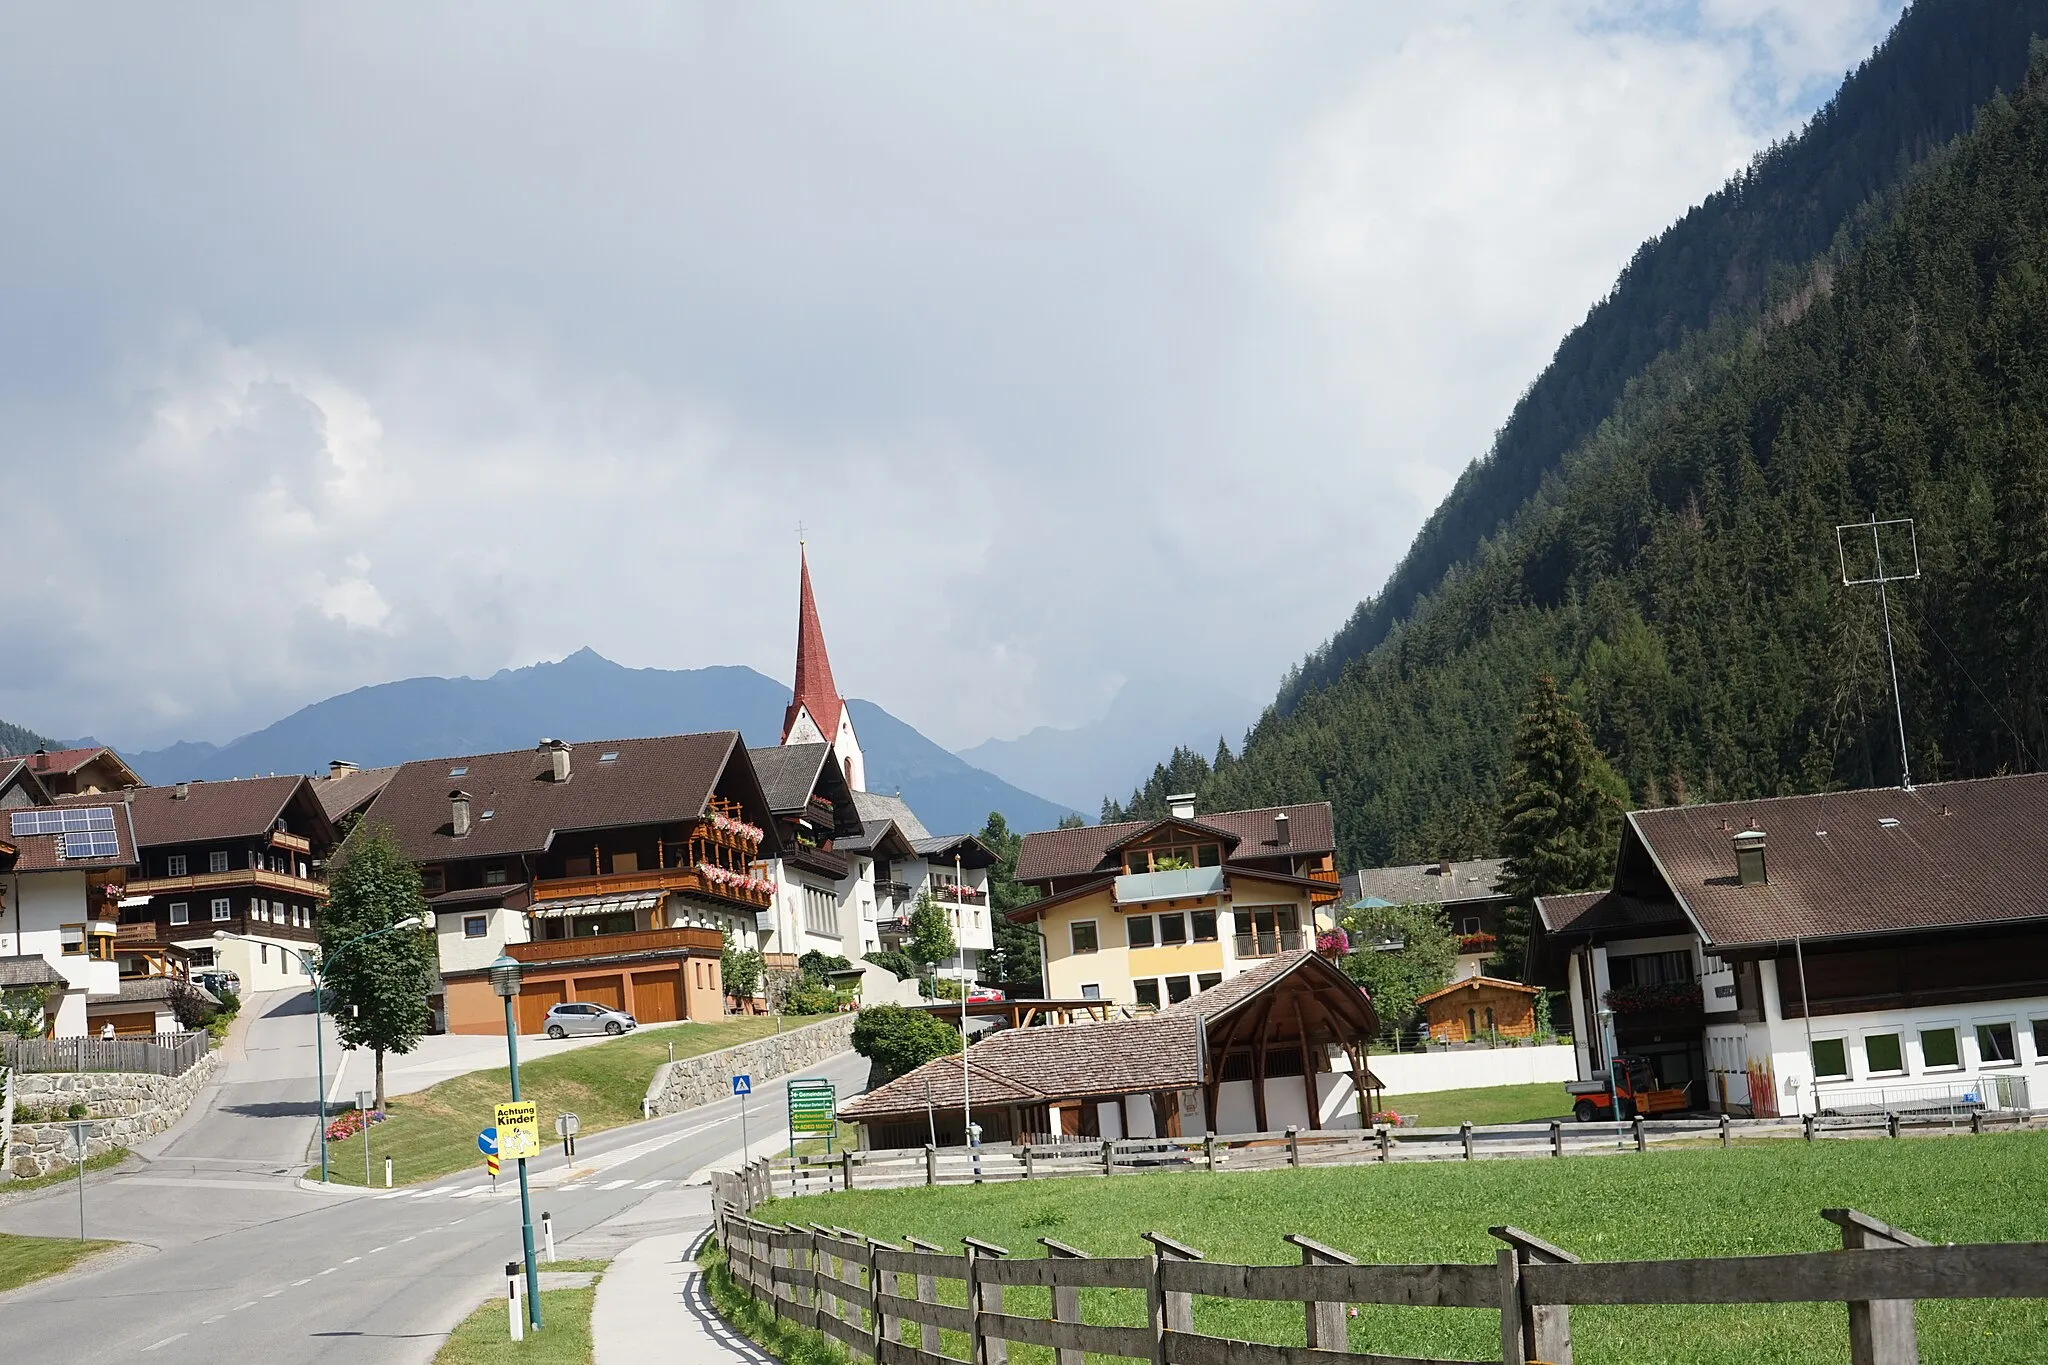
x: 80, y: 1132
x: 743, y: 1086
x: 363, y: 1098
x: 525, y: 1195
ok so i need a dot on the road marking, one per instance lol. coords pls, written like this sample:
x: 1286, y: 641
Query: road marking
x: 652, y: 1184
x: 403, y: 1240
x: 395, y: 1194
x: 165, y: 1342
x: 330, y: 1270
x: 373, y: 1251
x: 577, y: 1186
x: 453, y: 1221
x: 240, y: 1306
x: 468, y: 1194
x: 207, y: 1322
x: 352, y: 1260
x: 614, y: 1184
x: 273, y: 1293
x: 297, y: 1283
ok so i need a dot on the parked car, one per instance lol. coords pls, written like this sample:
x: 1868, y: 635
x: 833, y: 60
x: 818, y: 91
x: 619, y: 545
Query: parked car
x: 217, y: 979
x: 979, y: 994
x: 566, y: 1019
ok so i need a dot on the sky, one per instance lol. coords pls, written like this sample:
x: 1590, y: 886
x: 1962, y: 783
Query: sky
x: 348, y: 343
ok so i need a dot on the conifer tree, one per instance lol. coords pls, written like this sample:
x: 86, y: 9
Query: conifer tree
x: 1560, y: 817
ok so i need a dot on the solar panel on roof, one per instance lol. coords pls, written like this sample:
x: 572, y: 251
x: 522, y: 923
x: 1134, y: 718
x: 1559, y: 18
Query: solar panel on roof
x: 63, y: 820
x: 89, y: 844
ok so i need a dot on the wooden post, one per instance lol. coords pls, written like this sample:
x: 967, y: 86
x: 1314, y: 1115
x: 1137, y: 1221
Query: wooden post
x: 846, y: 1170
x: 1109, y: 1151
x: 1806, y: 1122
x: 927, y: 1292
x: 1725, y: 1127
x: 885, y: 1326
x: 824, y: 1303
x: 1209, y: 1152
x: 1169, y: 1312
x: 1386, y: 1140
x: 852, y: 1272
x: 1556, y: 1138
x: 1066, y: 1299
x: 983, y: 1296
x: 1635, y: 1127
x: 931, y: 1164
x: 1891, y: 1125
x: 1977, y: 1121
x: 1326, y: 1329
x: 1293, y: 1145
x: 1465, y: 1138
x: 1028, y: 1161
x: 1542, y: 1331
x: 1880, y: 1330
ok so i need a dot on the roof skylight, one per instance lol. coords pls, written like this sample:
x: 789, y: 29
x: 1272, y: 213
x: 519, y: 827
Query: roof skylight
x: 459, y: 770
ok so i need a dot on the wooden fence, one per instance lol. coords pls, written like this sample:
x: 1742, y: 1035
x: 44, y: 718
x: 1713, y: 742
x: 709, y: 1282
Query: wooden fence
x: 883, y: 1301
x: 164, y: 1054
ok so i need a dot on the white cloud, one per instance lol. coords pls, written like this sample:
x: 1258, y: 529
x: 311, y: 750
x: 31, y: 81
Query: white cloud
x: 344, y: 345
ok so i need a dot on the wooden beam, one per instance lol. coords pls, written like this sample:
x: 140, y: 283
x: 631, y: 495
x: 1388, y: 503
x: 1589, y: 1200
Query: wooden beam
x: 1259, y: 1068
x: 1308, y: 1070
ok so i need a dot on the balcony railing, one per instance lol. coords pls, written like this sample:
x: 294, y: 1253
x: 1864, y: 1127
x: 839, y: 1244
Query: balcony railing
x: 236, y: 876
x: 298, y: 843
x: 892, y: 891
x: 1269, y: 942
x: 686, y: 880
x: 613, y: 945
x: 1476, y: 943
x: 958, y: 895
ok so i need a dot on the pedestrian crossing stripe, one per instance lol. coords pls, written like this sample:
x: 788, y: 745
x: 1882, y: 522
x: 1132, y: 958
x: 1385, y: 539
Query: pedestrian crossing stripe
x: 614, y: 1184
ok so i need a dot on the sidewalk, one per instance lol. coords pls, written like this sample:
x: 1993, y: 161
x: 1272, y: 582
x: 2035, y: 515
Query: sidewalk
x: 651, y: 1305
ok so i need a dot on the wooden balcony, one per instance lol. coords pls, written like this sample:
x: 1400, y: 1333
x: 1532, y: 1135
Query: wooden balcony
x: 298, y: 843
x: 686, y: 880
x: 233, y: 877
x: 614, y: 945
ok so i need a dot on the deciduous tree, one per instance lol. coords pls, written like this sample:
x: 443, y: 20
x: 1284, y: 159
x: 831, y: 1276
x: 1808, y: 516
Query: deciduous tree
x: 376, y: 988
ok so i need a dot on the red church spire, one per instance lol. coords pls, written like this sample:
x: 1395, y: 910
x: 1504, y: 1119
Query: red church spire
x: 815, y: 690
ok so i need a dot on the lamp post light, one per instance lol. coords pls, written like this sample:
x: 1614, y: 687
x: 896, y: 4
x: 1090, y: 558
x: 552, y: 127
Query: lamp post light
x: 505, y: 981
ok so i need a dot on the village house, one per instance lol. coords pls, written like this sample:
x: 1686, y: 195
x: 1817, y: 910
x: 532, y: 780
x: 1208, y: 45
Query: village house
x: 244, y: 857
x: 1466, y: 892
x: 347, y: 791
x: 1837, y: 952
x: 63, y: 873
x: 612, y: 871
x: 1147, y: 913
x: 1279, y: 1045
x: 1476, y: 1009
x: 87, y: 771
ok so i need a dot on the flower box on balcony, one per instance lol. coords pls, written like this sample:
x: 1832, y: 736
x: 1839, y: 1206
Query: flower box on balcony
x: 1654, y: 999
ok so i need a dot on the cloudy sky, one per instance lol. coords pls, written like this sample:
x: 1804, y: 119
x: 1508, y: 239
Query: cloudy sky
x: 347, y: 343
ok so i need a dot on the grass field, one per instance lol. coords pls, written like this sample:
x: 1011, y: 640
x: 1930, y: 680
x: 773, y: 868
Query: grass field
x: 1491, y: 1104
x: 433, y: 1133
x: 1701, y: 1202
x: 484, y: 1338
x: 23, y: 1259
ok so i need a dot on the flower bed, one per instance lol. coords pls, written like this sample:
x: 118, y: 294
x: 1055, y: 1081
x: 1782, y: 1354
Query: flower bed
x: 351, y: 1123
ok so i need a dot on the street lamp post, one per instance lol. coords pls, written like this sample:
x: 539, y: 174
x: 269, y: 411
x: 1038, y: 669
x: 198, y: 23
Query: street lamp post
x: 312, y: 968
x: 505, y: 981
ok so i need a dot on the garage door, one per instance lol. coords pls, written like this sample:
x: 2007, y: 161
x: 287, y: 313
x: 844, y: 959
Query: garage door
x: 609, y: 991
x: 536, y: 998
x: 657, y: 997
x: 141, y: 1025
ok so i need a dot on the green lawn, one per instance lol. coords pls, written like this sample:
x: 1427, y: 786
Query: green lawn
x: 485, y: 1338
x: 31, y: 1258
x: 1488, y: 1104
x: 1698, y: 1202
x: 433, y: 1133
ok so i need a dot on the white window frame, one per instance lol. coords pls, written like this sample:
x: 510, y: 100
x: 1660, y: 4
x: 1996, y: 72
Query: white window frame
x: 1984, y: 1063
x: 1870, y: 1070
x: 222, y: 909
x: 1091, y: 990
x: 175, y: 865
x: 1848, y: 1071
x: 217, y: 860
x: 2038, y: 1028
x: 1920, y: 1032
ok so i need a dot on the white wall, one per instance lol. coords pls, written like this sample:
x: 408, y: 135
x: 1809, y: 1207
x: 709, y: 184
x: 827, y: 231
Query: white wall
x: 458, y: 953
x: 1784, y: 1041
x: 1409, y: 1073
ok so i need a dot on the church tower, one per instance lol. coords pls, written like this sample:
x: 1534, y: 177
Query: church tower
x: 817, y: 713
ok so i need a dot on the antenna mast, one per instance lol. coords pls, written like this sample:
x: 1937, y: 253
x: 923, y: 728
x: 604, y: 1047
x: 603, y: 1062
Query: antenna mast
x: 1880, y: 577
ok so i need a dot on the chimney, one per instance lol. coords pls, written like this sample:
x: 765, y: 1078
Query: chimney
x: 1281, y: 835
x: 558, y: 759
x: 40, y: 759
x: 1749, y: 858
x: 1443, y: 867
x: 181, y: 791
x: 1182, y: 806
x: 458, y: 813
x: 339, y: 767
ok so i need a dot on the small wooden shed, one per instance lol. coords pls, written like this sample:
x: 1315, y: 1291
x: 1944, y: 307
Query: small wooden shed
x: 1480, y: 1007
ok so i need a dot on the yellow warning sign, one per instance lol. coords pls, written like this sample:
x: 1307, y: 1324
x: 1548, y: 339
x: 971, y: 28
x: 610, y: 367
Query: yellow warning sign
x: 518, y: 1127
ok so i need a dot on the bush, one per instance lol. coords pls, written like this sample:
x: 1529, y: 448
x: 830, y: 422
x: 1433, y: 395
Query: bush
x: 76, y: 1111
x: 818, y: 967
x: 812, y: 997
x: 897, y: 961
x: 899, y: 1040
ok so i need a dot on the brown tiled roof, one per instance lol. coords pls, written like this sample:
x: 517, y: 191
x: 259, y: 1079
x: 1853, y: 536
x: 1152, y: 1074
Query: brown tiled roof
x: 351, y: 791
x: 69, y: 761
x: 1464, y: 982
x: 1235, y: 992
x: 666, y: 780
x: 1071, y: 852
x: 475, y: 895
x: 38, y: 852
x: 241, y: 808
x: 1860, y: 862
x: 1427, y: 883
x: 1594, y: 912
x: 1057, y: 1061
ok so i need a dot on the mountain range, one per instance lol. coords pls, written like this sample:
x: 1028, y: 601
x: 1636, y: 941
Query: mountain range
x: 586, y: 697
x: 1850, y: 328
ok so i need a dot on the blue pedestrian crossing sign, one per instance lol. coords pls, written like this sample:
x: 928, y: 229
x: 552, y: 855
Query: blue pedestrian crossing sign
x: 743, y: 1085
x: 487, y: 1142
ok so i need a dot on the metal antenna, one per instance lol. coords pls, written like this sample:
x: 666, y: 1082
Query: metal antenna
x: 1881, y: 577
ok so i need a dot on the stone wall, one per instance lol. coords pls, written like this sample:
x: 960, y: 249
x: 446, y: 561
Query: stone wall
x: 124, y: 1107
x: 694, y: 1081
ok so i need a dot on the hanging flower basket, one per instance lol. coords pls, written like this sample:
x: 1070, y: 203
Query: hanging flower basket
x: 1333, y: 943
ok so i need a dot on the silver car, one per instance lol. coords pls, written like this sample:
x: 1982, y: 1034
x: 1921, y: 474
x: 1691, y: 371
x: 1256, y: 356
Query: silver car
x: 566, y: 1019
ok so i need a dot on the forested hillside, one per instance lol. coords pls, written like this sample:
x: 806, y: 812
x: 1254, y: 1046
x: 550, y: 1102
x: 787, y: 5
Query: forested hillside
x: 1943, y: 59
x: 14, y: 739
x: 1680, y: 574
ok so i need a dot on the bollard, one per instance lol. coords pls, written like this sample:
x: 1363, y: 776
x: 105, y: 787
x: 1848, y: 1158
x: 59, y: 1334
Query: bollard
x: 1806, y: 1122
x: 1386, y: 1141
x: 1208, y: 1154
x: 1636, y: 1127
x: 1108, y: 1156
x: 1293, y: 1145
x: 513, y: 1273
x: 1556, y: 1138
x: 1977, y: 1121
x: 931, y: 1164
x: 1465, y: 1137
x: 1724, y: 1130
x: 1891, y: 1125
x: 387, y: 1172
x: 547, y: 1232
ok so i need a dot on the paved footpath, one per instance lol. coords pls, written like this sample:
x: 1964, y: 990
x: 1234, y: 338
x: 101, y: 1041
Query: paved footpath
x: 652, y: 1305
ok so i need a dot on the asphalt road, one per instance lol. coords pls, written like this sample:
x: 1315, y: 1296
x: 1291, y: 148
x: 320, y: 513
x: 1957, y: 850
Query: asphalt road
x: 230, y: 1255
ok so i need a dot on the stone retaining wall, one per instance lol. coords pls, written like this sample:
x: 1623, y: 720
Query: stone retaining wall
x: 124, y: 1108
x: 694, y: 1081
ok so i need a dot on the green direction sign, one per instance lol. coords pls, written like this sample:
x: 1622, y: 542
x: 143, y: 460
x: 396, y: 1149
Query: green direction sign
x: 813, y: 1111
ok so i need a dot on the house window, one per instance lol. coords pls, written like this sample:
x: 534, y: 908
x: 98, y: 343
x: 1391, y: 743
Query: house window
x: 1178, y: 988
x: 1674, y: 968
x: 263, y: 953
x: 494, y: 876
x: 1263, y: 931
x: 2041, y: 1040
x: 1208, y: 981
x: 1938, y: 1048
x: 217, y: 861
x: 1081, y: 935
x: 475, y: 926
x: 1138, y: 929
x: 1995, y: 1045
x: 201, y: 957
x: 1148, y: 992
x: 433, y: 881
x: 1468, y: 925
x: 1204, y: 925
x: 1173, y: 929
x: 181, y: 913
x: 821, y: 912
x: 72, y: 937
x: 174, y: 866
x: 1830, y: 1059
x: 1137, y: 863
x: 1091, y: 991
x: 220, y: 910
x: 1884, y: 1056
x: 1208, y: 855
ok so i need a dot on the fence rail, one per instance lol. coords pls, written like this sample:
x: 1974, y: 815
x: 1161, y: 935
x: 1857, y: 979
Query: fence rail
x: 882, y: 1300
x: 163, y: 1054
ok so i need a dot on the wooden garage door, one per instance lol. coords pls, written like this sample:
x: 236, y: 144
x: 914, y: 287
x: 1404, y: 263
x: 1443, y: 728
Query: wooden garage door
x: 141, y: 1025
x: 657, y: 996
x: 609, y: 991
x: 536, y: 998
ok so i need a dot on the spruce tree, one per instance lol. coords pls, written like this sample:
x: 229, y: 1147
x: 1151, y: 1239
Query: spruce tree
x: 1560, y: 819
